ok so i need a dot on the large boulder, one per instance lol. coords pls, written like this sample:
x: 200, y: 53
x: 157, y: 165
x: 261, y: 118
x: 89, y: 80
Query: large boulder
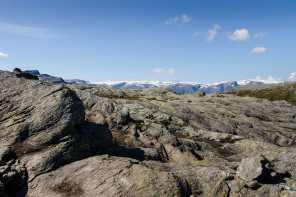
x: 42, y: 127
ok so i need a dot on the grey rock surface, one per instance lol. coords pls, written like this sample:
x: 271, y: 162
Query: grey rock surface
x: 250, y: 168
x: 108, y: 176
x: 42, y: 128
x: 80, y: 140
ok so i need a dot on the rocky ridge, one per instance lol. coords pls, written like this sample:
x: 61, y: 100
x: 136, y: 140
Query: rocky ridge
x: 179, y: 87
x: 186, y: 87
x: 79, y: 140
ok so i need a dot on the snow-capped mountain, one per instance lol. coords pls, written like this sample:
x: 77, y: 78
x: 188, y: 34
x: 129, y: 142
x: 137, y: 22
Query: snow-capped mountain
x: 179, y: 87
x: 186, y: 87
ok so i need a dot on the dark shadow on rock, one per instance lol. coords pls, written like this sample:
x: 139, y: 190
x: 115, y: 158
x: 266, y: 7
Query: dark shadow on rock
x: 267, y: 178
x: 99, y: 140
x: 83, y: 143
x: 88, y: 140
x: 196, y: 155
x: 19, y: 73
x: 16, y: 185
x: 139, y: 124
x: 136, y: 121
x: 96, y: 135
x: 121, y: 151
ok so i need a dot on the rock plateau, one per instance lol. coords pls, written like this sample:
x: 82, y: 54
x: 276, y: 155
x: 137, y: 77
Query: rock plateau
x: 80, y: 140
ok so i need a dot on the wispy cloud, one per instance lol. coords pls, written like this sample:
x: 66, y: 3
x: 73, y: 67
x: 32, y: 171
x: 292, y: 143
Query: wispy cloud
x: 29, y: 31
x: 185, y: 18
x: 3, y: 55
x: 172, y: 21
x: 259, y: 35
x: 171, y: 71
x: 163, y: 71
x: 158, y: 70
x: 195, y: 34
x: 259, y: 50
x: 212, y: 33
x: 240, y: 35
x: 292, y: 76
x: 178, y: 20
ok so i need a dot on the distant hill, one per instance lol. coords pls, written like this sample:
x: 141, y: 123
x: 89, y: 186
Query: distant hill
x: 276, y: 92
x: 185, y: 87
x: 179, y: 87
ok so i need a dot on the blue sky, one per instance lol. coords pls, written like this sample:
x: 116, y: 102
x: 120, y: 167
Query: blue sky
x: 166, y: 40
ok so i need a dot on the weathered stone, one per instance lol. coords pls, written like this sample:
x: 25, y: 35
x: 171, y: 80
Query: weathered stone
x: 252, y: 184
x: 199, y: 94
x: 250, y: 168
x: 158, y: 143
x: 40, y: 127
x: 107, y: 176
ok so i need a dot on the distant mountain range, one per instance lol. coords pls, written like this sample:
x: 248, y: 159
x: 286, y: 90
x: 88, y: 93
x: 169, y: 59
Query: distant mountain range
x: 185, y: 87
x: 179, y: 87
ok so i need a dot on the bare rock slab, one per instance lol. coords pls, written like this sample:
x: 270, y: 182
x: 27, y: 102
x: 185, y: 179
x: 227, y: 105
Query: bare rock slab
x: 107, y: 176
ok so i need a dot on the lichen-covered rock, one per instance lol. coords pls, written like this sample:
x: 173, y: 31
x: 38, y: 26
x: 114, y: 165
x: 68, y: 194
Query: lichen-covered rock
x: 79, y: 140
x: 108, y: 176
x: 41, y: 127
x: 250, y: 168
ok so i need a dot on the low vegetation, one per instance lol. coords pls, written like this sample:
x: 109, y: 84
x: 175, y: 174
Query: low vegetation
x: 126, y: 98
x: 286, y: 92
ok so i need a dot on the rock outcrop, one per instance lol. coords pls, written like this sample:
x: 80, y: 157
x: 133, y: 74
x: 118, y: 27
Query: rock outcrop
x: 42, y: 127
x: 79, y: 140
x: 46, y: 77
x: 26, y: 75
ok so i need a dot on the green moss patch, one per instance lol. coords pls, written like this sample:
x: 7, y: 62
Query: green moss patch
x: 126, y: 98
x: 154, y: 99
x: 286, y: 92
x: 181, y: 135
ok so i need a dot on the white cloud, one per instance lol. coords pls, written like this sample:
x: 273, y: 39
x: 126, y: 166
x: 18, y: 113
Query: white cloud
x: 292, y: 76
x: 26, y: 31
x: 172, y: 21
x: 259, y: 35
x: 158, y: 70
x: 185, y: 18
x: 3, y: 55
x: 212, y: 33
x: 171, y: 71
x: 217, y: 27
x: 196, y: 34
x: 163, y: 71
x: 259, y: 50
x: 180, y: 20
x: 240, y: 35
x: 269, y: 79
